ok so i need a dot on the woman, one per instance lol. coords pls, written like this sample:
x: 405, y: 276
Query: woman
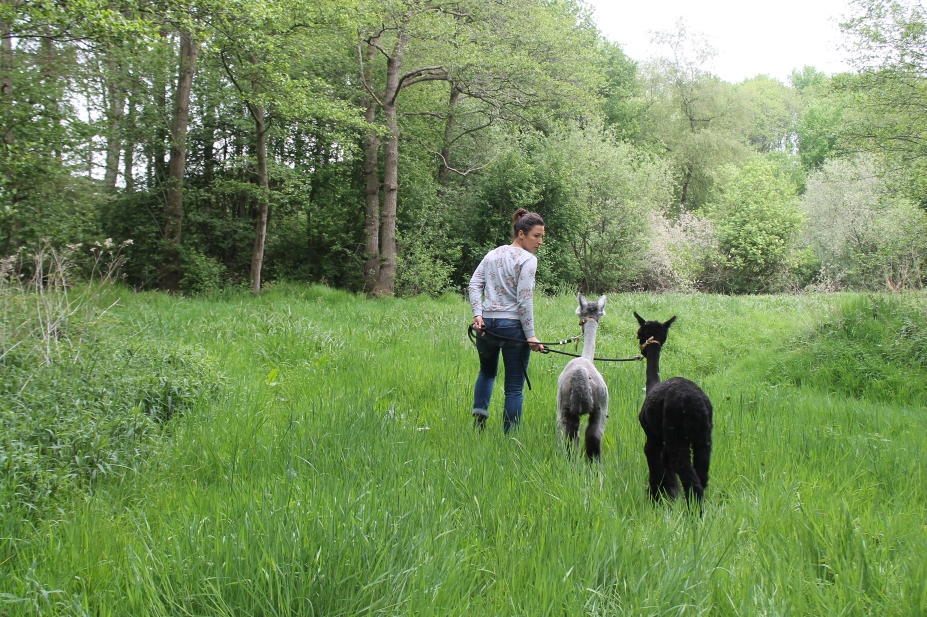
x: 501, y: 295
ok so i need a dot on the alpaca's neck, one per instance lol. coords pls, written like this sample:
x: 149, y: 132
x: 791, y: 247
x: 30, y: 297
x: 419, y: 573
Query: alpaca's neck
x: 589, y: 330
x: 652, y: 354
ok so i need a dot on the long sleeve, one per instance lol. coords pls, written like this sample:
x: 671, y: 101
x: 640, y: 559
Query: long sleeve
x: 475, y: 289
x: 525, y: 295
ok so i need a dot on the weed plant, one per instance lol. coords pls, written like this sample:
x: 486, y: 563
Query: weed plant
x: 339, y: 474
x: 80, y: 397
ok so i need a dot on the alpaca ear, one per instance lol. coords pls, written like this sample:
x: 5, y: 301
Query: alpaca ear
x: 601, y: 303
x: 670, y: 322
x: 582, y: 303
x: 640, y: 319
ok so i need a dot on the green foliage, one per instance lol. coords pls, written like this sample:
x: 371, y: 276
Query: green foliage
x: 695, y: 119
x: 81, y: 397
x: 425, y: 268
x: 770, y: 110
x: 92, y: 411
x: 623, y: 104
x: 139, y: 217
x: 888, y: 39
x: 605, y: 191
x: 873, y: 347
x: 756, y: 220
x: 862, y: 233
x: 201, y: 274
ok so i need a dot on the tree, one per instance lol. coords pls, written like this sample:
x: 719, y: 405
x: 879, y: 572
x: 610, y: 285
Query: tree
x: 169, y: 279
x: 504, y: 62
x: 606, y: 190
x: 695, y: 117
x: 862, y: 234
x: 771, y: 111
x: 890, y: 39
x: 257, y: 47
x: 756, y: 221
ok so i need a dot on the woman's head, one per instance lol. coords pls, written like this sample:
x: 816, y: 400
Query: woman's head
x: 528, y: 229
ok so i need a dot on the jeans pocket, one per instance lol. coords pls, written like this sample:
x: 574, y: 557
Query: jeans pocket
x: 511, y: 331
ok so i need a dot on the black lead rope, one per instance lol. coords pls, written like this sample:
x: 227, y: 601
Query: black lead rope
x: 471, y: 332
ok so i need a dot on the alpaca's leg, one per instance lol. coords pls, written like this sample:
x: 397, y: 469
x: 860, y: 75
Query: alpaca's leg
x: 594, y: 432
x: 701, y: 455
x: 680, y: 462
x: 653, y: 450
x: 570, y: 425
x: 669, y: 485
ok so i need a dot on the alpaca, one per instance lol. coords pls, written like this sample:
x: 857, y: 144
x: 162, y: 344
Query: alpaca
x: 677, y: 419
x: 581, y: 390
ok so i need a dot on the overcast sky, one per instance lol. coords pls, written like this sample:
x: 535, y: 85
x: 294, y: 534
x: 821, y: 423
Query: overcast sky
x: 771, y: 37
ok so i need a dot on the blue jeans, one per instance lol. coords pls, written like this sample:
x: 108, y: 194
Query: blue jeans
x: 515, y: 356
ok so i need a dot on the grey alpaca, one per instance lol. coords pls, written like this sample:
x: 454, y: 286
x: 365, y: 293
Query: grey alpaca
x: 581, y: 390
x: 677, y: 420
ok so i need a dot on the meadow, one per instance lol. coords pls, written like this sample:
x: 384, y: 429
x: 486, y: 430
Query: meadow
x: 327, y: 465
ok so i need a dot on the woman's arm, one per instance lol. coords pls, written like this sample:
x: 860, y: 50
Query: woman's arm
x: 475, y: 290
x: 525, y: 291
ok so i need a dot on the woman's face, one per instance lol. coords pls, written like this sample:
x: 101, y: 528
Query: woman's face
x: 532, y: 240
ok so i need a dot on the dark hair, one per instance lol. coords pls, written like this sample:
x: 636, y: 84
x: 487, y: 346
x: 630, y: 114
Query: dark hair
x: 525, y: 221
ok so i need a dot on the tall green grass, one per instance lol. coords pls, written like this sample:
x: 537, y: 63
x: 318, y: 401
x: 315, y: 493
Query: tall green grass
x: 338, y: 474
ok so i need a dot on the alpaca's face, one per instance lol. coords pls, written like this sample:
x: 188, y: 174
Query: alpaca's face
x: 590, y: 310
x: 654, y: 329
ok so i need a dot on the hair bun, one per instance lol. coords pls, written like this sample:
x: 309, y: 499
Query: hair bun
x: 518, y: 214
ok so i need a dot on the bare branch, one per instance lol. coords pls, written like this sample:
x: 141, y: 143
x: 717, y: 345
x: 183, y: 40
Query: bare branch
x: 363, y: 76
x: 466, y: 172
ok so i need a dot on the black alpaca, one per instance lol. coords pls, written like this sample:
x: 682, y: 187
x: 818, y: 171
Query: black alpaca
x: 677, y: 419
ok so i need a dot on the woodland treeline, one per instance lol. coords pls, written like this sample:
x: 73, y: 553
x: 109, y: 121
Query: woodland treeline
x: 383, y: 145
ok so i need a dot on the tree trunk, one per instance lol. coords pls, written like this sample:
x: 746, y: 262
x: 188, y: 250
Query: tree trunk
x: 260, y: 225
x: 6, y: 72
x: 115, y: 114
x: 157, y: 160
x: 173, y: 207
x: 444, y: 172
x: 6, y: 103
x: 371, y: 202
x: 372, y: 186
x: 387, y: 278
x: 129, y: 147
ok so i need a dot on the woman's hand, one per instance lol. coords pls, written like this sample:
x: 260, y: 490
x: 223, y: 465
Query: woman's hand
x: 478, y: 323
x: 535, y: 344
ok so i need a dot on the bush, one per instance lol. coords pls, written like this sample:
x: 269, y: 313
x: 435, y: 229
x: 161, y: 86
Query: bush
x: 201, y: 274
x: 95, y: 408
x: 863, y: 236
x: 682, y: 254
x: 756, y: 220
x: 424, y: 269
x: 78, y: 400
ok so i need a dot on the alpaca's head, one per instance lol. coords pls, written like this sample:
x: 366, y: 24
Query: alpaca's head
x: 590, y: 310
x: 653, y: 329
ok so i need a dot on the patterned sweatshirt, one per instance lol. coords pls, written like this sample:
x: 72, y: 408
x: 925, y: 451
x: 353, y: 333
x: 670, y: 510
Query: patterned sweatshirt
x: 502, y: 287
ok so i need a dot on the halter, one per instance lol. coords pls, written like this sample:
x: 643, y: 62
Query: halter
x: 583, y: 321
x: 650, y: 341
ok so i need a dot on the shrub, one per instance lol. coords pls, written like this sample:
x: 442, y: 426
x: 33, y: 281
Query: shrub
x: 682, y: 254
x: 95, y: 408
x: 201, y: 274
x: 756, y: 220
x: 78, y: 399
x: 863, y: 236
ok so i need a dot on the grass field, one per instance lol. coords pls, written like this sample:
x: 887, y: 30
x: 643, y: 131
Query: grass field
x: 336, y: 472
